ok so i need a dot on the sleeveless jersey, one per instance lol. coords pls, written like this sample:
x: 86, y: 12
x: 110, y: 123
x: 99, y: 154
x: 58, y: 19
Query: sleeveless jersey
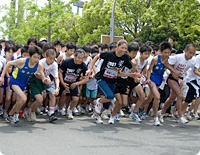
x: 20, y: 75
x: 157, y: 72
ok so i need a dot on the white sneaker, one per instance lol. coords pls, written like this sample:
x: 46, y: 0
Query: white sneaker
x: 196, y: 116
x: 98, y: 106
x: 135, y: 117
x: 75, y: 110
x: 83, y: 111
x: 188, y: 116
x: 46, y: 110
x: 69, y: 112
x: 1, y: 110
x: 156, y: 122
x: 33, y: 116
x: 182, y: 120
x: 111, y: 120
x: 5, y: 114
x: 117, y: 117
x: 62, y: 112
x: 79, y: 108
x: 160, y: 116
x: 121, y: 113
x: 104, y: 115
x: 27, y: 116
x: 151, y: 112
x: 132, y: 107
x: 16, y: 117
x: 97, y: 118
x: 174, y: 113
x: 143, y: 116
x: 38, y: 111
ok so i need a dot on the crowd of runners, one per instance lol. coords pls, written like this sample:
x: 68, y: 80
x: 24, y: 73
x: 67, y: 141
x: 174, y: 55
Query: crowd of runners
x: 106, y: 81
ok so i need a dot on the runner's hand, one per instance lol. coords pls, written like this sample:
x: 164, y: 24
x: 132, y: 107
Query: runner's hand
x: 1, y: 81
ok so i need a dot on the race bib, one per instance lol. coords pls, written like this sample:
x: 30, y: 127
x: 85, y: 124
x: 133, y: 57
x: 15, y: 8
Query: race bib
x: 111, y: 73
x: 70, y: 78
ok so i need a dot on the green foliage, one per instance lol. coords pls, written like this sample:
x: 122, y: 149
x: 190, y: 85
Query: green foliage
x: 30, y: 20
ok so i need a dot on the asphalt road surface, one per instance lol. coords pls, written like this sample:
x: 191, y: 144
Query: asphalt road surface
x: 82, y: 136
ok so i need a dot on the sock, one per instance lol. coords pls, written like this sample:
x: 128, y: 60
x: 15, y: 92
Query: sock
x: 188, y: 112
x: 51, y: 110
x: 156, y: 118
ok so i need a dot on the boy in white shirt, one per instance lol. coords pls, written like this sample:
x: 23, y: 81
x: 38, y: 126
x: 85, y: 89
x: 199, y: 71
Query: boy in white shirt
x: 178, y: 63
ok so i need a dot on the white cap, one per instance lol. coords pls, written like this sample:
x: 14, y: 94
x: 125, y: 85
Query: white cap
x: 43, y: 39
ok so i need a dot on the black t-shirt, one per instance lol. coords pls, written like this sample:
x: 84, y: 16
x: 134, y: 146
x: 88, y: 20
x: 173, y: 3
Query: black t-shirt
x: 72, y: 71
x: 112, y: 65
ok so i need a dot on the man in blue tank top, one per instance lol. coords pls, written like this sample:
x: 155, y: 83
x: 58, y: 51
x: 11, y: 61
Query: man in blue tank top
x: 19, y: 79
x: 155, y: 78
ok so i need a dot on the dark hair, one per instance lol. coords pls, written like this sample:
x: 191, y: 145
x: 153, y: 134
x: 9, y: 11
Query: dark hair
x: 173, y: 50
x: 10, y: 47
x: 179, y: 51
x: 57, y: 42
x: 35, y: 49
x: 104, y: 46
x: 50, y: 52
x: 79, y: 51
x: 189, y: 45
x: 165, y: 45
x: 94, y: 50
x: 47, y: 46
x: 18, y: 46
x: 41, y: 44
x: 32, y: 39
x: 133, y: 47
x: 151, y: 44
x: 86, y: 48
x: 0, y: 47
x: 122, y: 41
x: 64, y: 45
x: 71, y: 45
x: 24, y: 49
x: 156, y: 47
x: 113, y: 45
x: 2, y: 41
x: 145, y: 48
x: 139, y: 42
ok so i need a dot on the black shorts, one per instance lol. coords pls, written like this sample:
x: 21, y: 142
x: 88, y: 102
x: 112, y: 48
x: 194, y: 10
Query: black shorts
x: 121, y: 86
x: 172, y: 78
x: 71, y: 92
x: 193, y: 91
x: 131, y: 83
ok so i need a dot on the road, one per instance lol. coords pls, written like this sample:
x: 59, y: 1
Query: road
x: 83, y: 136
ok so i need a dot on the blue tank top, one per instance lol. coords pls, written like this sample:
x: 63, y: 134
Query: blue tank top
x: 24, y: 72
x: 159, y: 68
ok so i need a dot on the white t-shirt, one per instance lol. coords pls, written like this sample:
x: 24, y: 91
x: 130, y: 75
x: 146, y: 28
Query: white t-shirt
x: 3, y: 61
x: 98, y: 63
x: 49, y: 69
x: 2, y: 52
x: 180, y: 63
x: 191, y: 75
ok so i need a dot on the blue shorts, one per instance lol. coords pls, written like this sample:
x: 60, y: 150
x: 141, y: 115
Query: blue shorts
x: 93, y: 93
x: 106, y: 89
x: 157, y: 79
x: 5, y: 85
x: 21, y: 83
x: 50, y: 88
x: 172, y: 78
